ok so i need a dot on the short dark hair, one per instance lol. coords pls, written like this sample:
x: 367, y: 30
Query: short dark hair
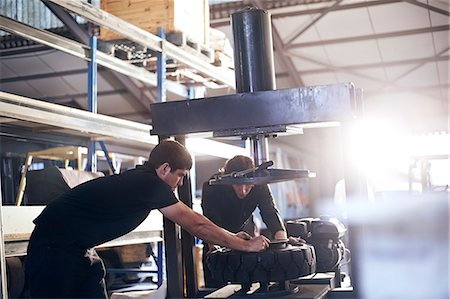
x: 237, y: 163
x: 172, y: 152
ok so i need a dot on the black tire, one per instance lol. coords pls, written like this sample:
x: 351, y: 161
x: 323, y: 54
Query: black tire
x: 271, y: 265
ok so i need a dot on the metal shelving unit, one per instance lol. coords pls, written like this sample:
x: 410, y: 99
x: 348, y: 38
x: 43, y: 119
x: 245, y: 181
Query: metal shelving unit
x: 29, y: 112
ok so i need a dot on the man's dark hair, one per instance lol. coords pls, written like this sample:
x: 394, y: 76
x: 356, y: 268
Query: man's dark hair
x: 172, y: 152
x: 237, y: 163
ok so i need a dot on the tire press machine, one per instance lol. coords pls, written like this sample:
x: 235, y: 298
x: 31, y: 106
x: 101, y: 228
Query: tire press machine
x: 258, y: 111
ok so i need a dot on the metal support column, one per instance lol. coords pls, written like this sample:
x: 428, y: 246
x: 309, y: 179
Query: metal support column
x: 161, y: 69
x: 187, y: 240
x: 254, y: 63
x: 172, y: 250
x: 159, y: 263
x: 92, y: 99
x: 4, y: 280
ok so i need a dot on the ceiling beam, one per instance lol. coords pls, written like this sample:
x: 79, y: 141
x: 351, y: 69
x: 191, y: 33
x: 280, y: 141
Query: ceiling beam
x: 370, y: 37
x: 279, y: 48
x: 421, y: 63
x: 302, y: 30
x: 351, y: 70
x: 276, y: 15
x: 225, y: 9
x: 79, y: 33
x: 429, y: 7
x: 83, y: 95
x: 43, y: 76
x: 32, y: 48
x: 287, y: 61
x: 330, y: 68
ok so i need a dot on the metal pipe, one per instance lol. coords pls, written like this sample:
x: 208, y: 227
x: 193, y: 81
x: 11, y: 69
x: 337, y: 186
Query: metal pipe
x: 259, y: 147
x: 92, y: 100
x: 253, y: 50
x: 4, y: 281
x: 161, y: 69
x: 254, y: 63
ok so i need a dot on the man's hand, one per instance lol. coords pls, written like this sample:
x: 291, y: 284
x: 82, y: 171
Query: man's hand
x: 243, y: 235
x: 256, y: 244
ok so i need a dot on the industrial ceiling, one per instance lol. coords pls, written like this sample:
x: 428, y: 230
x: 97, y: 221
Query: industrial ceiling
x: 396, y: 51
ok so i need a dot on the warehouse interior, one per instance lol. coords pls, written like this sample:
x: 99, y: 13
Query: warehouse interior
x: 359, y: 102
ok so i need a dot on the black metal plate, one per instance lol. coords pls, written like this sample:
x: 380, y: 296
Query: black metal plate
x: 326, y: 103
x: 266, y: 176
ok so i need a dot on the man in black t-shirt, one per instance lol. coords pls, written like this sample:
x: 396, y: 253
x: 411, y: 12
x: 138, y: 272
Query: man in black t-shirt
x: 231, y: 207
x: 61, y: 262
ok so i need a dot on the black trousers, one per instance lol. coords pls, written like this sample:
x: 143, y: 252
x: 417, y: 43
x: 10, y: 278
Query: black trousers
x: 58, y: 268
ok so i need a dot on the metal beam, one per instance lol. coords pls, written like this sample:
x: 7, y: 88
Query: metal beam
x: 279, y: 48
x: 218, y: 23
x: 270, y: 108
x: 42, y: 76
x: 146, y: 39
x: 225, y: 10
x: 420, y: 64
x: 369, y: 37
x: 302, y: 30
x: 70, y: 23
x: 83, y: 95
x: 101, y: 126
x: 24, y: 50
x: 352, y: 69
x: 328, y: 68
x: 428, y: 7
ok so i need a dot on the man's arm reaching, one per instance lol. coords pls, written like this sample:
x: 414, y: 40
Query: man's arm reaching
x: 202, y: 227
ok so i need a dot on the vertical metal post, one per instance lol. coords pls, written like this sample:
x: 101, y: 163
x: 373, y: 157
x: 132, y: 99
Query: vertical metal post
x: 187, y: 240
x: 259, y: 147
x: 161, y: 68
x: 173, y: 257
x: 193, y: 93
x: 4, y: 280
x: 92, y: 99
x: 159, y: 263
x: 254, y: 63
x: 108, y: 158
x: 172, y: 250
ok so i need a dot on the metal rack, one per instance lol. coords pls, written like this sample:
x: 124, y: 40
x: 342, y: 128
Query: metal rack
x: 29, y: 112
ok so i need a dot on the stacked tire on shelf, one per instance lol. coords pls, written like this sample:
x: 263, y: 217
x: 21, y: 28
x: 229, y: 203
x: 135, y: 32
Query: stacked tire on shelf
x: 272, y: 265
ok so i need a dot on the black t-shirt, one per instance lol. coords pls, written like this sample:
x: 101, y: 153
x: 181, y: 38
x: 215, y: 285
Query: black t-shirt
x: 221, y: 205
x: 105, y: 208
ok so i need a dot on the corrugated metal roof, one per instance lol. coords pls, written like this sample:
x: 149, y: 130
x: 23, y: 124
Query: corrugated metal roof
x: 34, y: 13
